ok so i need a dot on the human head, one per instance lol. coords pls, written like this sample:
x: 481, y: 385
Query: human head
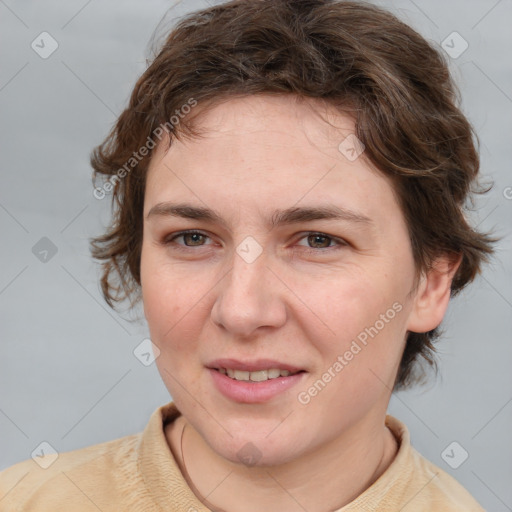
x: 351, y: 55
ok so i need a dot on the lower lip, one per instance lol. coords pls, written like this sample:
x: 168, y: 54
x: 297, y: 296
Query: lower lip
x: 253, y: 392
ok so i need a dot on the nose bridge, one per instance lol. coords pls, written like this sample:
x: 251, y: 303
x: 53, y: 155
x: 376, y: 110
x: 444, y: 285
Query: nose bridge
x: 249, y: 266
x: 248, y: 296
x: 245, y: 276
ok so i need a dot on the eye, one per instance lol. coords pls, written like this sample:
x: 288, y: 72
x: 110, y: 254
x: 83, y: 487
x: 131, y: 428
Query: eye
x: 319, y: 242
x: 194, y: 237
x: 322, y: 241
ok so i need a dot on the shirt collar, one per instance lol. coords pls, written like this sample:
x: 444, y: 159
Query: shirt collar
x: 168, y: 488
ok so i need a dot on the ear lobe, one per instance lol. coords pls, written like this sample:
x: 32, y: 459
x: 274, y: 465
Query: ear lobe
x: 433, y: 294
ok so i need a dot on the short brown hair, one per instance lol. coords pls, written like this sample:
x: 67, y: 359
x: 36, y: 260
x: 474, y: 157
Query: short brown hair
x: 352, y: 55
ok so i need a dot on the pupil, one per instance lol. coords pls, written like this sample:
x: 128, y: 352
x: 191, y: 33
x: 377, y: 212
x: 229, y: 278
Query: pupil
x: 316, y: 238
x: 195, y: 237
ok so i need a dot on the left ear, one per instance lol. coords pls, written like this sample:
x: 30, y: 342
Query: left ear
x: 433, y: 294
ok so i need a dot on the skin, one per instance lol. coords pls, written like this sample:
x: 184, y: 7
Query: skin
x: 302, y: 301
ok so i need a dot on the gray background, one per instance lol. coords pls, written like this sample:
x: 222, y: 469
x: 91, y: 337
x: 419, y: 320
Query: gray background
x: 68, y: 374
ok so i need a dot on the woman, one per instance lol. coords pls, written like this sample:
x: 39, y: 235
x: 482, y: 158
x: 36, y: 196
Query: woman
x: 289, y: 180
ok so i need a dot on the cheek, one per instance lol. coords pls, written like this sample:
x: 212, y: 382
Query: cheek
x: 355, y: 300
x: 172, y: 317
x: 172, y: 309
x: 171, y: 303
x: 366, y: 316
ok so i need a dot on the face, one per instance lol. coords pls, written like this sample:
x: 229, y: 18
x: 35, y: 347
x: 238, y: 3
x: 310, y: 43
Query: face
x: 271, y: 279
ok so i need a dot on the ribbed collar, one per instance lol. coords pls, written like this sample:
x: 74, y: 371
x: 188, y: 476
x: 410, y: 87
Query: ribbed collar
x: 169, y: 489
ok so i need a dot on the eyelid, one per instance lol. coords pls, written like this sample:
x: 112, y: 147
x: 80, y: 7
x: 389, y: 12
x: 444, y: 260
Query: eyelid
x: 170, y: 239
x: 339, y: 241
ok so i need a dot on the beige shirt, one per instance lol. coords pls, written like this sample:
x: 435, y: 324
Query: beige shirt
x: 138, y: 473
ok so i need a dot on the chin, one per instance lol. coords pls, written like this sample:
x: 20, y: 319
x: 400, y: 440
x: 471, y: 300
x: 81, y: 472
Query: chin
x: 255, y: 451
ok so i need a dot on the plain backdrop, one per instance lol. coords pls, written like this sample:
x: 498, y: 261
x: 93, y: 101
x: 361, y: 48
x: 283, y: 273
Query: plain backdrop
x: 68, y: 373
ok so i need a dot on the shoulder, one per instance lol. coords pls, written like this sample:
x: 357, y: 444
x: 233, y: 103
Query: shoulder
x: 68, y: 479
x: 413, y: 483
x: 441, y: 490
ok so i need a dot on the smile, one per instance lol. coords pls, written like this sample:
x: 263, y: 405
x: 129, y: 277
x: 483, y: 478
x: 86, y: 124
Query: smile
x: 257, y: 376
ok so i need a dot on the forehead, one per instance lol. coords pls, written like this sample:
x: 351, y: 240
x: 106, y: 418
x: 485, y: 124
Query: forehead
x: 288, y: 116
x: 273, y: 150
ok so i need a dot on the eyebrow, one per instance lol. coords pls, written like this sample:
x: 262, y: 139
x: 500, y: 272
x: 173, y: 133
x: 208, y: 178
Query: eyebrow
x: 291, y: 215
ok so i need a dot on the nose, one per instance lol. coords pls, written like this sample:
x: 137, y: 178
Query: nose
x: 250, y: 297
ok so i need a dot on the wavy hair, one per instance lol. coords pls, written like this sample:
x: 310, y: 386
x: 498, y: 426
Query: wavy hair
x: 350, y: 55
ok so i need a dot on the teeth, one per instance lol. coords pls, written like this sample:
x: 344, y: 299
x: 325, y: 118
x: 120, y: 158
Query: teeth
x: 241, y: 375
x: 258, y: 376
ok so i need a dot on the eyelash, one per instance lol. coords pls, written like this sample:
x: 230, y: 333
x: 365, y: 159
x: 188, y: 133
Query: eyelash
x: 170, y: 241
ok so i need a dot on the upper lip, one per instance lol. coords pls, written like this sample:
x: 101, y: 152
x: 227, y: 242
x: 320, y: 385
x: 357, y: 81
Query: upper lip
x: 252, y: 366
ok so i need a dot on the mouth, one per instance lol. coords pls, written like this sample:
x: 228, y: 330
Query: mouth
x: 256, y: 376
x: 253, y: 382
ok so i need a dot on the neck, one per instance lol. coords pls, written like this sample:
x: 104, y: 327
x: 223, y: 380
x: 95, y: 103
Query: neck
x: 333, y: 475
